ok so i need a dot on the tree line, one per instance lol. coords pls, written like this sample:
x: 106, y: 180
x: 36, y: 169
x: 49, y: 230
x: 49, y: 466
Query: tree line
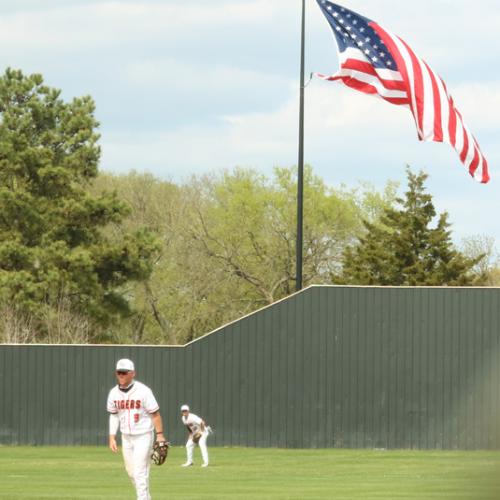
x: 89, y: 256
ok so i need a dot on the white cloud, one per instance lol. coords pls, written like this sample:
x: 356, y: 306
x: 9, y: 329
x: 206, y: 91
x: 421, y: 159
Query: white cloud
x: 95, y: 25
x: 204, y: 78
x: 336, y: 121
x: 479, y: 102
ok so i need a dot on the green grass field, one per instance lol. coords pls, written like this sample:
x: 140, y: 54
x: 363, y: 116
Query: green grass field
x: 236, y: 473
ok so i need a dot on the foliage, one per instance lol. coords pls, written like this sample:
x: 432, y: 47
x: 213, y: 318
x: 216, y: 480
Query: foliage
x: 405, y: 250
x: 228, y: 244
x: 248, y: 225
x: 53, y: 252
x: 487, y: 267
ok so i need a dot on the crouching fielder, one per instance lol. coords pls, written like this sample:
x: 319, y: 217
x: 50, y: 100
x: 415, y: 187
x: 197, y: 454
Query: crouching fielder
x: 133, y: 408
x: 198, y: 433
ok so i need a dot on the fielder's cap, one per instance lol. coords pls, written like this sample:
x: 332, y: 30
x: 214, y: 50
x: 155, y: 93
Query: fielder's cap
x: 184, y: 408
x: 125, y: 365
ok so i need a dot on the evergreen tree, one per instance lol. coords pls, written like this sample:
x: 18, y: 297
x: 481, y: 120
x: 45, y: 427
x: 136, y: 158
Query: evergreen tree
x: 404, y: 249
x: 53, y: 247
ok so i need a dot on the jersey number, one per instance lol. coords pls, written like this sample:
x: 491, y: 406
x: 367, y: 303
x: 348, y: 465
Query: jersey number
x: 136, y: 417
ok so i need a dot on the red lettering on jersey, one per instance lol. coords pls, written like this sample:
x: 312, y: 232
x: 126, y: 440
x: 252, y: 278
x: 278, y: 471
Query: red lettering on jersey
x: 133, y: 404
x: 136, y: 417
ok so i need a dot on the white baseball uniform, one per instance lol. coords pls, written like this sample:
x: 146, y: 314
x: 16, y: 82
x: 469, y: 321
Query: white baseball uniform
x: 193, y: 423
x: 134, y: 407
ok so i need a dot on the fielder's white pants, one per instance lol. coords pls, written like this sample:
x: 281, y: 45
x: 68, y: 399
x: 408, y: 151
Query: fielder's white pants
x: 190, y: 446
x: 137, y: 455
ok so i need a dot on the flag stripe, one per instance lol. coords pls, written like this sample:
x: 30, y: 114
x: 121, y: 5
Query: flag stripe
x: 438, y: 126
x: 373, y: 87
x: 465, y: 153
x: 418, y: 88
x: 361, y: 79
x: 452, y: 121
x: 475, y: 162
x: 444, y: 109
x: 366, y: 67
x: 405, y: 70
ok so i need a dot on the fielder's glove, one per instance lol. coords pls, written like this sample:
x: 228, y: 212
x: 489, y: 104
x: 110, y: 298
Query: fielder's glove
x: 196, y: 437
x: 160, y: 452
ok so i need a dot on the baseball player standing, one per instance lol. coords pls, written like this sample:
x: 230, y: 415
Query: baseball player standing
x: 133, y: 408
x: 198, y: 432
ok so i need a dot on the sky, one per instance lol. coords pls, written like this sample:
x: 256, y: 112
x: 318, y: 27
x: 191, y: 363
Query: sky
x: 187, y: 87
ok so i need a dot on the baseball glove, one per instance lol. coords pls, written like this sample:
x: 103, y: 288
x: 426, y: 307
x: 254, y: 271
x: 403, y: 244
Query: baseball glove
x: 196, y: 436
x: 160, y: 452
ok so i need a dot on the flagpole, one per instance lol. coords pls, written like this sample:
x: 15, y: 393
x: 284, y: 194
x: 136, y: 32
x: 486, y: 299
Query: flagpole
x: 300, y: 172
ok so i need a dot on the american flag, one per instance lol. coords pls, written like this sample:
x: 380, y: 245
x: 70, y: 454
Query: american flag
x: 376, y: 62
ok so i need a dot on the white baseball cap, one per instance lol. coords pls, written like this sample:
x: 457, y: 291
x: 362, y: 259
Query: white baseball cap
x: 184, y: 408
x: 125, y: 365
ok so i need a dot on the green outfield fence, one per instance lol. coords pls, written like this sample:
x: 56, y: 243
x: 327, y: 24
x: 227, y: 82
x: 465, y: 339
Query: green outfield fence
x: 331, y: 366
